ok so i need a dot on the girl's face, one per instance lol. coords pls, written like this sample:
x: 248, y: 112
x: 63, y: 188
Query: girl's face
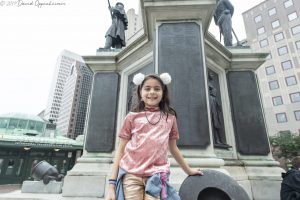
x: 151, y: 93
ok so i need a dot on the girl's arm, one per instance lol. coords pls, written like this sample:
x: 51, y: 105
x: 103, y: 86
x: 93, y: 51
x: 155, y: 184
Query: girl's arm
x: 180, y: 160
x: 118, y: 156
x: 115, y: 168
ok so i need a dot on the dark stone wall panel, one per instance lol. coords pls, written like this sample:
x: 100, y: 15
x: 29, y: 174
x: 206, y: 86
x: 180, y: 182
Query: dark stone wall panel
x: 247, y: 114
x: 103, y: 110
x: 180, y: 54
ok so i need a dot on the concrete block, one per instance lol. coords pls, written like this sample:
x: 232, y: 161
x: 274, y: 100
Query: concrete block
x: 53, y: 187
x: 266, y: 189
x: 84, y: 186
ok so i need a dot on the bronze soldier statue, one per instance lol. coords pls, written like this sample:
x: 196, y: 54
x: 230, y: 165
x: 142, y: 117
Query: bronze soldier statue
x: 216, y: 118
x: 115, y: 35
x: 222, y: 18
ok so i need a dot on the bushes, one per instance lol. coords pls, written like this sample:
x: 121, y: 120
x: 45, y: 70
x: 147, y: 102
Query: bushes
x: 289, y: 144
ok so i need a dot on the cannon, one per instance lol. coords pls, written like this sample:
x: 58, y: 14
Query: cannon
x: 46, y: 172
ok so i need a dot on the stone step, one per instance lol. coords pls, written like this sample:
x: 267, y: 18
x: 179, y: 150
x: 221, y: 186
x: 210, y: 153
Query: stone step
x: 18, y: 195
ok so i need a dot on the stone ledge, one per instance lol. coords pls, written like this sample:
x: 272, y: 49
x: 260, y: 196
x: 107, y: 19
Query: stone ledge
x: 53, y: 187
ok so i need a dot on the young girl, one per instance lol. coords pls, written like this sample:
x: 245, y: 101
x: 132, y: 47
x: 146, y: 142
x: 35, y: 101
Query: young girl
x: 149, y: 130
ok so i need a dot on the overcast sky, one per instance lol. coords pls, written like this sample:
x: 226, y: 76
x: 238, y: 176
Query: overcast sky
x: 32, y: 37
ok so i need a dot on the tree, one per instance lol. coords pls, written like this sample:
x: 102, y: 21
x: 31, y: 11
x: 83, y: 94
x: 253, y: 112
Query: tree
x: 288, y: 143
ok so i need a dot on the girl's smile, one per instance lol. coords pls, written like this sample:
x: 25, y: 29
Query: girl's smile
x: 151, y: 93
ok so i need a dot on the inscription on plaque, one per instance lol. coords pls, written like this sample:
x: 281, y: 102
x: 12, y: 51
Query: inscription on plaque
x: 102, y: 115
x: 249, y: 125
x: 180, y: 54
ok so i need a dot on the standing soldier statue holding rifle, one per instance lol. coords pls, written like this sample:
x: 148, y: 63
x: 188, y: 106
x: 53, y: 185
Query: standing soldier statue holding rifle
x: 222, y: 18
x: 115, y: 35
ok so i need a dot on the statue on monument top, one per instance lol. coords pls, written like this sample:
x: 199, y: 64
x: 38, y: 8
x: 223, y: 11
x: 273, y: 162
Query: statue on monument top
x: 115, y: 35
x: 222, y: 18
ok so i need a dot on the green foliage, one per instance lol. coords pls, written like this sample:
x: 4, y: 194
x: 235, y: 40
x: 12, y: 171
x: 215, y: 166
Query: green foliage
x: 288, y: 143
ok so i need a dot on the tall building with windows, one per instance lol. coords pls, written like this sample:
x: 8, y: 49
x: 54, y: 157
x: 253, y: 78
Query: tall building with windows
x: 274, y: 26
x: 134, y: 25
x: 62, y: 70
x: 72, y: 113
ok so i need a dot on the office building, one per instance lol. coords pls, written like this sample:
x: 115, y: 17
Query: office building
x: 134, y: 25
x: 273, y: 26
x: 62, y: 71
x: 72, y: 113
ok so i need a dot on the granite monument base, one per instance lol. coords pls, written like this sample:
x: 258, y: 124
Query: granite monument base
x: 53, y: 187
x: 87, y: 178
x: 261, y: 179
x: 265, y: 181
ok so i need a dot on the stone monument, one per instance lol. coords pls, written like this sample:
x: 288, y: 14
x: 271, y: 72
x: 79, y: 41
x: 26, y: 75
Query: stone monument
x: 175, y: 39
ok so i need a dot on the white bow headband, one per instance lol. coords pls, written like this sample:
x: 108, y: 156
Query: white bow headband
x: 139, y: 78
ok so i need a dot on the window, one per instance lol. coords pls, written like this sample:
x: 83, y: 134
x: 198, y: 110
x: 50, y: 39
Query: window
x: 264, y: 43
x: 275, y: 24
x: 286, y: 65
x: 3, y: 122
x: 295, y: 97
x: 278, y: 36
x: 272, y: 11
x: 13, y: 123
x: 31, y: 125
x: 288, y: 3
x: 39, y: 127
x: 257, y: 19
x: 291, y: 80
x: 296, y: 29
x: 20, y: 167
x: 298, y: 44
x: 22, y: 124
x: 273, y: 85
x: 261, y: 30
x: 1, y: 163
x: 282, y: 50
x: 10, y: 167
x: 270, y: 70
x: 297, y: 115
x: 277, y: 101
x: 292, y: 16
x: 281, y: 117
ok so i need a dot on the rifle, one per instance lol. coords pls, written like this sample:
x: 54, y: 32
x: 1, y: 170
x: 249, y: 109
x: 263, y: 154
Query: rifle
x: 238, y: 43
x: 109, y: 9
x: 237, y: 40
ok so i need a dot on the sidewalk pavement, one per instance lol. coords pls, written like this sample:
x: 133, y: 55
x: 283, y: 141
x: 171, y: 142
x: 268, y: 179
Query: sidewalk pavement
x: 13, y: 192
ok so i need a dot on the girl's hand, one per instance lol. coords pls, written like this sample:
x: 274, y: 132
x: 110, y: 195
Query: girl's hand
x: 194, y: 171
x: 111, y: 193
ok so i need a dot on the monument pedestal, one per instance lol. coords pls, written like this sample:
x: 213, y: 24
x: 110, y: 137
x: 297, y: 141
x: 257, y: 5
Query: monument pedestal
x: 87, y: 178
x: 259, y: 177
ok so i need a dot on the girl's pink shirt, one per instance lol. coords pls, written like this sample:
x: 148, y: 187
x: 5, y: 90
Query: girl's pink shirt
x: 146, y: 153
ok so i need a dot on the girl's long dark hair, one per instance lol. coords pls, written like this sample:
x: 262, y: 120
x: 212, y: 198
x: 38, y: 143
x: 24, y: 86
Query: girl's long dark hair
x: 164, y: 104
